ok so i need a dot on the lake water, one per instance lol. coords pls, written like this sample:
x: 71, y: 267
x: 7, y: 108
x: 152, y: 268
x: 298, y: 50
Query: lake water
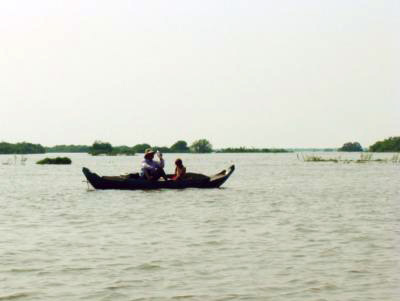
x: 279, y: 229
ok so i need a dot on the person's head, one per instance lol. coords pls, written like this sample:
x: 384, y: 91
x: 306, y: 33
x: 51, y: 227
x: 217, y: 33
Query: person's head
x: 149, y: 154
x: 178, y: 162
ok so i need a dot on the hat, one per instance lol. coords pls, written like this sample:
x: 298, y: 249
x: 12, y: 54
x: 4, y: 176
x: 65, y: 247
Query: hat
x: 148, y: 151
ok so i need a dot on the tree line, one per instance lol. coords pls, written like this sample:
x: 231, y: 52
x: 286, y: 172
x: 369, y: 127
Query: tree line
x: 100, y: 147
x: 391, y: 144
x: 21, y: 148
x: 181, y: 146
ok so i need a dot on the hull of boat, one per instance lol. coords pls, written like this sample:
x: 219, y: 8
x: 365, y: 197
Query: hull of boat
x: 122, y: 183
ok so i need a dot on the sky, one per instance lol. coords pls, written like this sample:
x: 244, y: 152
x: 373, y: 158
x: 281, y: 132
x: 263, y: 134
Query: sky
x: 258, y: 73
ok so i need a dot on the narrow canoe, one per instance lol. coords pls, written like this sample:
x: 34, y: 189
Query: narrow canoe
x: 191, y: 180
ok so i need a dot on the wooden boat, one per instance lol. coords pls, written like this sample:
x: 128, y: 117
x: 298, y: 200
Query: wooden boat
x: 191, y: 180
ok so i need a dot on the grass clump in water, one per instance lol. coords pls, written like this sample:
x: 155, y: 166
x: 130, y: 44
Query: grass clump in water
x: 364, y: 158
x: 56, y: 161
x: 314, y: 158
x: 396, y: 158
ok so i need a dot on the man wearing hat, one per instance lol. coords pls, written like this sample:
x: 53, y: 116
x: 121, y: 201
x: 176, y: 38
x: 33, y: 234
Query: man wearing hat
x: 152, y: 170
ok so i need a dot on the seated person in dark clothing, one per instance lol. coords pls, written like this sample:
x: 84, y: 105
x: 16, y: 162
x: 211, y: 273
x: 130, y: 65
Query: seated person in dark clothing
x: 152, y: 170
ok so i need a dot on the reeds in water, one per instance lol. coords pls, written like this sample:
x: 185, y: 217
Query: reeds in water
x: 364, y: 158
x: 315, y: 158
x: 396, y: 158
x: 15, y: 161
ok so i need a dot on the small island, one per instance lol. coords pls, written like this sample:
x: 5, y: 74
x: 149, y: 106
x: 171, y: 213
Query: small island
x: 351, y: 147
x: 56, y: 161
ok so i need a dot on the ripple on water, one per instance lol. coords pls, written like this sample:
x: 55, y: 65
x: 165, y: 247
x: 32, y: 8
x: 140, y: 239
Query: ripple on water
x: 279, y: 230
x: 15, y: 296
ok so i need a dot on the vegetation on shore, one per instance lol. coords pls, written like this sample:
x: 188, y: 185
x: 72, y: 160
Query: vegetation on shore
x: 21, y: 148
x: 56, y: 161
x: 105, y: 148
x: 180, y: 146
x: 391, y: 144
x: 100, y: 148
x: 201, y: 146
x: 68, y: 149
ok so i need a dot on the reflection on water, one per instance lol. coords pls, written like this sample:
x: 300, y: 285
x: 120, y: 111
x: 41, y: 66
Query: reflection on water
x: 280, y: 229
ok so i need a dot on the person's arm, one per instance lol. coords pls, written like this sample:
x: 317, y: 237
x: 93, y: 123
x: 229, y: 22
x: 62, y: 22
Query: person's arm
x: 161, y: 163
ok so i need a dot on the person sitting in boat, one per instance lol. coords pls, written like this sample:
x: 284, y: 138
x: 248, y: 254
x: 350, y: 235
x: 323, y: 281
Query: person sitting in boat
x: 152, y: 170
x: 180, y: 170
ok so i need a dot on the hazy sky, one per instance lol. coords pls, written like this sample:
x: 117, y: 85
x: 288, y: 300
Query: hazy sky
x: 255, y: 73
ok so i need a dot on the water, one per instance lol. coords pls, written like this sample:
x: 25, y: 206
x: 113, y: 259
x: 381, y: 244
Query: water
x: 279, y: 229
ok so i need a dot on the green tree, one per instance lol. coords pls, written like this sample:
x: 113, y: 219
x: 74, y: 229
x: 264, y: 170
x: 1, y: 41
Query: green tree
x: 140, y: 148
x: 100, y: 147
x: 201, y: 146
x: 162, y: 149
x: 180, y: 147
x: 21, y: 148
x: 68, y: 149
x: 391, y: 144
x: 351, y: 147
x: 123, y: 150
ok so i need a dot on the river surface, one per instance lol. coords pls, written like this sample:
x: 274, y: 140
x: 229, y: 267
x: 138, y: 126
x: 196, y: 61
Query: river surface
x: 279, y: 229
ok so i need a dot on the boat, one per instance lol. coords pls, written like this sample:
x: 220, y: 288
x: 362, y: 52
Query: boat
x: 134, y: 182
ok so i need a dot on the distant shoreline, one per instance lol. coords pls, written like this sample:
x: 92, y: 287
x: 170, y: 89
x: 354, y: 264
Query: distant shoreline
x: 391, y: 144
x: 105, y: 148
